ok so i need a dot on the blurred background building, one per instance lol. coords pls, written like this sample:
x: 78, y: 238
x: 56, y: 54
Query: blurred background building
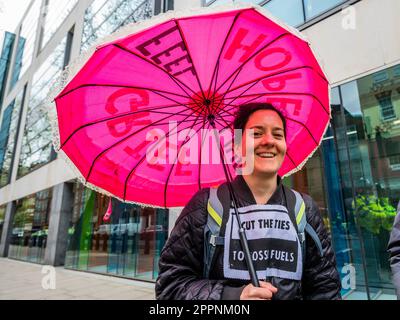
x: 47, y: 217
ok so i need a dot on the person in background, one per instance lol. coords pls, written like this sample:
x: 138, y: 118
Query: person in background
x: 394, y: 251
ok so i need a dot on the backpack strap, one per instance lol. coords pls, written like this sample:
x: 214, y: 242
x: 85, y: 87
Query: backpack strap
x: 303, y: 226
x: 211, y: 230
x: 301, y: 221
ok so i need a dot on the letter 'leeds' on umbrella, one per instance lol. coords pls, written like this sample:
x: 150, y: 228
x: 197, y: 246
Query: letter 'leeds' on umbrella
x: 132, y: 115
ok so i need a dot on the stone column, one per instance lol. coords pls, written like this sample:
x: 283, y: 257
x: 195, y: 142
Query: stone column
x: 60, y: 217
x: 7, y: 229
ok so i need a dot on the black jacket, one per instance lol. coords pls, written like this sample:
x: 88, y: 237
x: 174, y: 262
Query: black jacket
x: 181, y: 261
x: 394, y: 251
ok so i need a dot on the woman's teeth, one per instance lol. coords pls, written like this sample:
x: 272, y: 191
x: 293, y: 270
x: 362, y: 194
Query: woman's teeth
x: 266, y: 155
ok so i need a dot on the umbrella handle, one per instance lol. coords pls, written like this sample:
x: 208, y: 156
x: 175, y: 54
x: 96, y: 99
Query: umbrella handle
x: 245, y: 246
x: 242, y: 233
x: 243, y: 242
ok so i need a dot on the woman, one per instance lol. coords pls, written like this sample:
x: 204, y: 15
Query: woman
x: 181, y: 266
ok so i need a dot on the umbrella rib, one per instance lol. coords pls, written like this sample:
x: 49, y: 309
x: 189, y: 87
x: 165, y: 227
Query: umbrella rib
x: 299, y: 122
x: 228, y: 126
x: 200, y: 153
x: 223, y: 121
x: 176, y: 159
x: 255, y: 81
x: 215, y: 73
x: 223, y: 155
x: 116, y: 86
x: 215, y: 83
x: 190, y: 57
x: 142, y: 159
x: 175, y: 79
x: 305, y: 127
x: 227, y: 112
x: 240, y: 68
x: 270, y: 93
x: 279, y: 93
x: 290, y: 158
x: 151, y: 108
x: 165, y: 123
x: 117, y: 117
x: 234, y: 79
x: 223, y: 97
x: 248, y: 101
x: 124, y: 139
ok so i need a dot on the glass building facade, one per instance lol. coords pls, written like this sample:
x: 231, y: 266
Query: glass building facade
x: 2, y: 217
x: 26, y: 42
x: 128, y: 244
x: 54, y: 14
x: 37, y: 147
x: 354, y: 176
x: 5, y: 60
x: 30, y: 227
x: 8, y: 136
x: 293, y: 12
x: 104, y: 17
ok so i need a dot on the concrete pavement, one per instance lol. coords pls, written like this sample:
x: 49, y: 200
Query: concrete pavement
x: 25, y: 281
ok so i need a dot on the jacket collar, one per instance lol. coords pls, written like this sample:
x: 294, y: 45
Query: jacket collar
x: 242, y: 191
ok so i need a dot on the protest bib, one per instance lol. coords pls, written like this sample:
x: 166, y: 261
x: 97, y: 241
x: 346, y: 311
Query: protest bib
x: 273, y: 242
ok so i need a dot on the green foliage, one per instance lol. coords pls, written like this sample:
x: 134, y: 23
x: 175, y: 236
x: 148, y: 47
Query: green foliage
x: 374, y: 214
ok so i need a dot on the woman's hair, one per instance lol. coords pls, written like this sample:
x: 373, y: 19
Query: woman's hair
x: 244, y: 112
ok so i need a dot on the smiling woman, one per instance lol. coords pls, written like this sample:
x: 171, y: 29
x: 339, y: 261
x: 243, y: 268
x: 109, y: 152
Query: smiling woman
x: 268, y: 135
x: 276, y: 219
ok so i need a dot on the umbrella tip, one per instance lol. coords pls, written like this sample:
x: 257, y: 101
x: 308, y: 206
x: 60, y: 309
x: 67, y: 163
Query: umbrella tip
x: 211, y: 119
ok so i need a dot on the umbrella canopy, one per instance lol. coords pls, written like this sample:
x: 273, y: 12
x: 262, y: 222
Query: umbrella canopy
x: 159, y: 84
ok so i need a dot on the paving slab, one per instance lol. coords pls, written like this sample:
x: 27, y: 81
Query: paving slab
x: 24, y: 281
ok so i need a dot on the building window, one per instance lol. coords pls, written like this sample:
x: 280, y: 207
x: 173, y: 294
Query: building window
x: 314, y: 8
x: 104, y: 17
x: 2, y: 217
x: 290, y: 11
x: 368, y: 163
x: 5, y: 60
x: 394, y: 162
x: 37, y: 140
x: 30, y: 227
x: 293, y: 12
x: 128, y: 244
x: 54, y: 14
x: 8, y: 137
x: 385, y: 102
x: 26, y: 42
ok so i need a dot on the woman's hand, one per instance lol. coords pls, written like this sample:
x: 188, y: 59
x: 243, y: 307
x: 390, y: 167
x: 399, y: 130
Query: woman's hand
x: 264, y: 292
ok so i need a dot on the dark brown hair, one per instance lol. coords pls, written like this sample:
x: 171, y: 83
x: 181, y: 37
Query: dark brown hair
x: 244, y: 112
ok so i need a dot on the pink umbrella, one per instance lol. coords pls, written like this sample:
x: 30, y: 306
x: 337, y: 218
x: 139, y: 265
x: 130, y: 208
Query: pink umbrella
x: 194, y: 71
x: 136, y: 110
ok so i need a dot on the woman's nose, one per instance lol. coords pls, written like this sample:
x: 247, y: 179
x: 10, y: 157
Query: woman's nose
x: 267, y: 139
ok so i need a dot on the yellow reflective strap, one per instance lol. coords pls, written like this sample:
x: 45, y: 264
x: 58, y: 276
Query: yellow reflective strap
x: 214, y: 214
x: 301, y: 213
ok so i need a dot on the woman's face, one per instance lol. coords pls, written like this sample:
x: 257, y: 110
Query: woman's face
x: 269, y: 141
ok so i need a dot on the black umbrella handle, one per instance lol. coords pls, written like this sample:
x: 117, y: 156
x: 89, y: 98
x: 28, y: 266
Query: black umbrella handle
x: 243, y: 240
x: 242, y: 233
x: 246, y: 250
